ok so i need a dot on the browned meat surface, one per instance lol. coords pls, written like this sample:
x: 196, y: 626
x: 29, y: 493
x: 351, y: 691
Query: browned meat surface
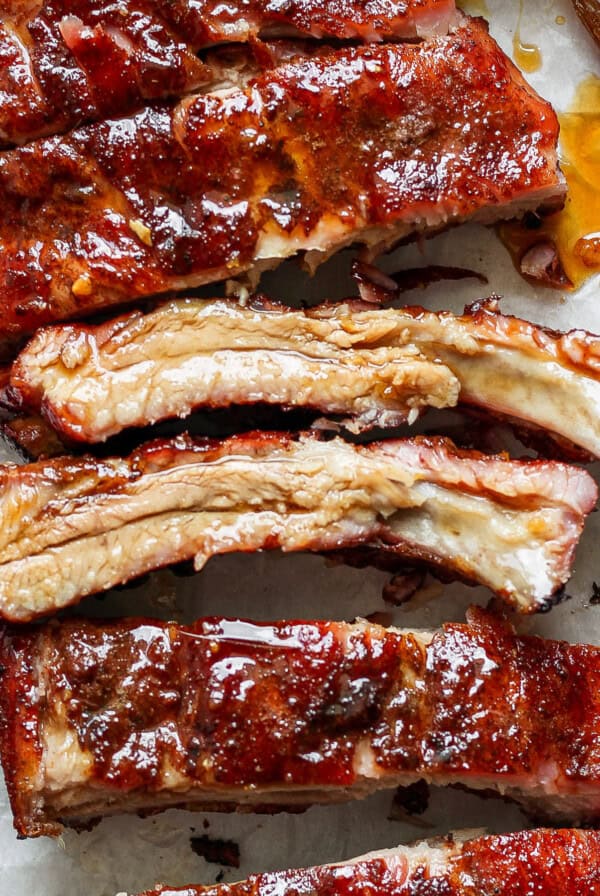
x: 363, y: 144
x: 33, y: 436
x: 64, y: 63
x: 371, y: 366
x: 73, y: 527
x: 548, y: 862
x: 104, y: 717
x: 589, y: 12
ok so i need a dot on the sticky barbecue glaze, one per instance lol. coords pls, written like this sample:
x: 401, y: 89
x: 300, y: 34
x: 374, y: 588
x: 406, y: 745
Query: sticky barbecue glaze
x: 226, y: 712
x: 354, y: 144
x: 64, y: 63
x: 536, y: 863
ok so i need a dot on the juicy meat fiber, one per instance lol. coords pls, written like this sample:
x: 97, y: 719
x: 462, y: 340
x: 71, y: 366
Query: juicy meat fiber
x: 372, y: 367
x: 363, y: 144
x: 62, y: 63
x: 73, y: 527
x: 548, y: 862
x: 104, y: 717
x: 92, y: 382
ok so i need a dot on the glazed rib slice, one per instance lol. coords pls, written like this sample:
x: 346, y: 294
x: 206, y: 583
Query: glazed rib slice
x: 62, y: 63
x: 552, y: 862
x: 135, y: 715
x: 372, y: 367
x: 363, y: 144
x: 73, y: 527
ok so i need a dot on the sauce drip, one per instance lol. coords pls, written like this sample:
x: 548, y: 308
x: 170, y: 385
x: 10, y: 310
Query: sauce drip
x: 575, y: 231
x: 527, y: 56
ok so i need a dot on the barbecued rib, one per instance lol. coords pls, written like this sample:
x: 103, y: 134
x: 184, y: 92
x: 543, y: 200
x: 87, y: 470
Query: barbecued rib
x: 92, y: 382
x: 549, y: 862
x: 73, y: 527
x: 135, y: 715
x: 32, y: 437
x: 62, y: 63
x: 371, y: 366
x: 367, y: 144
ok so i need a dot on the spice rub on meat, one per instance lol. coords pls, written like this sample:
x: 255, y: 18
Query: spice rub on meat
x: 64, y: 63
x: 549, y: 862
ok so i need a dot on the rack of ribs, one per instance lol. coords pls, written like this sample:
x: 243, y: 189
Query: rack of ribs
x: 366, y: 366
x: 317, y: 150
x: 135, y: 715
x: 76, y: 526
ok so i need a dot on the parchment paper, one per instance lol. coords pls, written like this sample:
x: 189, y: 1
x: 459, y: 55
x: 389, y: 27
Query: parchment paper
x: 130, y: 854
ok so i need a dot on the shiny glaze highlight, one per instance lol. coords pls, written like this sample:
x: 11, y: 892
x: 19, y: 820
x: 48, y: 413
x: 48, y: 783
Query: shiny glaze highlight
x: 237, y: 708
x: 327, y: 148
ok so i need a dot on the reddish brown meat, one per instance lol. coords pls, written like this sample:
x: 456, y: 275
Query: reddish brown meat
x: 356, y: 144
x: 63, y: 63
x: 589, y: 13
x: 33, y: 437
x: 103, y: 717
x: 530, y: 863
x: 73, y: 527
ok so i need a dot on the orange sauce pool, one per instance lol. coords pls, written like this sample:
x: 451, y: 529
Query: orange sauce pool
x: 576, y: 229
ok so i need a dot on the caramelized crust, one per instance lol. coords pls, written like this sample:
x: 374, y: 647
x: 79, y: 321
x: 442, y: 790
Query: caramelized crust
x: 62, y: 63
x: 548, y: 862
x: 73, y: 527
x: 103, y: 717
x: 366, y: 144
x: 369, y: 366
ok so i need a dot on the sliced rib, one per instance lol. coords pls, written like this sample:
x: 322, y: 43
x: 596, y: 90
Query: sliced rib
x: 364, y: 144
x: 92, y: 382
x: 73, y: 527
x: 62, y: 63
x: 370, y: 366
x: 135, y: 715
x: 549, y: 862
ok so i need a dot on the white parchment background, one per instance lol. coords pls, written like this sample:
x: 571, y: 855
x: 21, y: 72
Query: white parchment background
x: 131, y: 854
